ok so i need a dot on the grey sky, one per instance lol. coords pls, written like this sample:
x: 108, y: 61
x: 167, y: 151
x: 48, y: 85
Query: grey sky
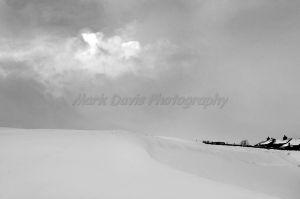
x: 247, y: 51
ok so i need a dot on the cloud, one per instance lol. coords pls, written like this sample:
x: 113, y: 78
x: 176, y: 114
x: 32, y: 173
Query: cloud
x: 239, y: 49
x: 24, y: 104
x: 112, y: 56
x: 57, y: 62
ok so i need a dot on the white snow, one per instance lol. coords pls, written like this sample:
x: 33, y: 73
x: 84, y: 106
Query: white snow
x: 65, y: 164
x: 292, y: 142
x: 281, y: 141
x: 295, y: 142
x: 266, y: 142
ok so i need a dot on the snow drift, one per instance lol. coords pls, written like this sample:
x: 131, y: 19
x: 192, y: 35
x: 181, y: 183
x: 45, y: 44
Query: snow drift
x: 64, y: 164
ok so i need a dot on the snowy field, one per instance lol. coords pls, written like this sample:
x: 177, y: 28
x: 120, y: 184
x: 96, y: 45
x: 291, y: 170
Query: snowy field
x: 67, y: 164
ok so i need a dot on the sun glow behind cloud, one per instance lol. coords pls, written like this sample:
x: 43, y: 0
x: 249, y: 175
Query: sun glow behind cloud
x: 112, y: 56
x: 60, y: 63
x: 91, y: 52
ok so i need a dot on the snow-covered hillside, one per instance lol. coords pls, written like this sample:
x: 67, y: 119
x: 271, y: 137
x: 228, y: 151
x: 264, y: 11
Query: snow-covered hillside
x: 65, y: 164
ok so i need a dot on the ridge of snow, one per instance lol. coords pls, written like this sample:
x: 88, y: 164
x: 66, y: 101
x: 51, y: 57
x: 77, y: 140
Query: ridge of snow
x: 113, y: 164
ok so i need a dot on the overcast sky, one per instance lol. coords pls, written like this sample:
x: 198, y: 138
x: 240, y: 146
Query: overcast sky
x: 248, y: 51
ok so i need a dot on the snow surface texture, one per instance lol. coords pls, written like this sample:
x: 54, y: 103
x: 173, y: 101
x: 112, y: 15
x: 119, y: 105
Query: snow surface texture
x: 62, y: 164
